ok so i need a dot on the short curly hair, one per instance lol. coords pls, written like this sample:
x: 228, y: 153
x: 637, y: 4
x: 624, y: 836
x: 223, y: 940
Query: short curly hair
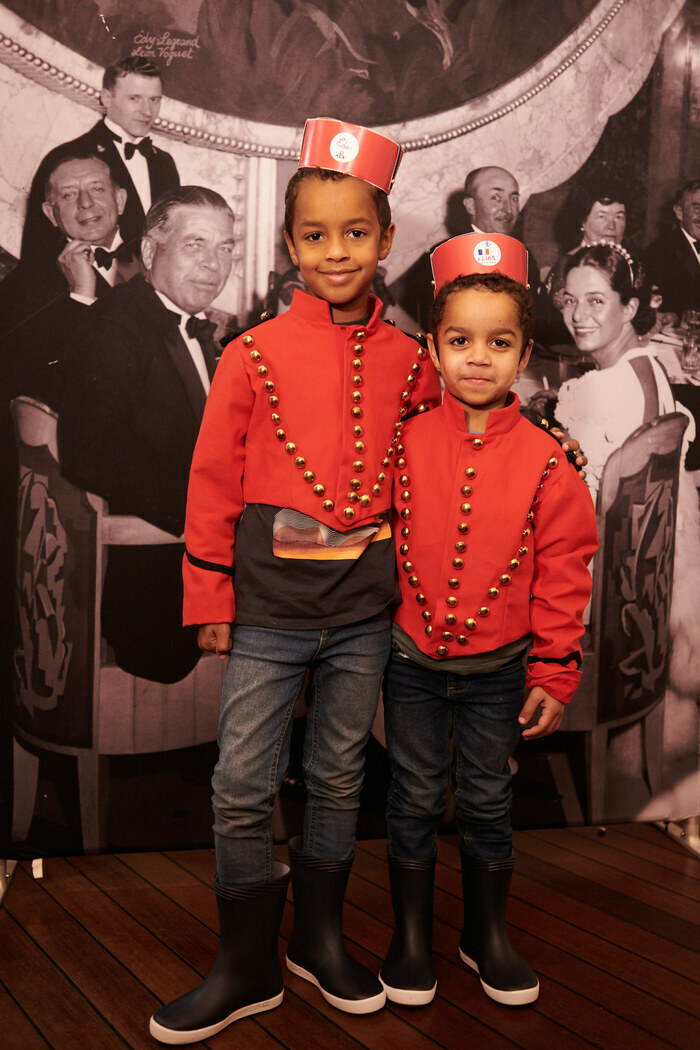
x: 487, y: 282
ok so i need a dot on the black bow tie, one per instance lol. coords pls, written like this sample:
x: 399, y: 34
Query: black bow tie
x: 200, y: 328
x: 145, y: 148
x: 104, y: 259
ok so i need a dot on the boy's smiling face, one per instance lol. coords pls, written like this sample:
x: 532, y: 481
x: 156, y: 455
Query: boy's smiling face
x: 479, y: 350
x: 337, y: 242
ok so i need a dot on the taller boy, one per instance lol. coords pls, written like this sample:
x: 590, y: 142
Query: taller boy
x: 293, y: 463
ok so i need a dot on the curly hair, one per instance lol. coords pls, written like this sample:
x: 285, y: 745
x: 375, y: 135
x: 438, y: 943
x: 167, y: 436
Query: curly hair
x: 381, y: 200
x: 625, y: 276
x: 487, y: 282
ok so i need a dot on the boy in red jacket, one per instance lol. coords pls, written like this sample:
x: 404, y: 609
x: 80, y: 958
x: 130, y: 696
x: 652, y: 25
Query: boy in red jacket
x: 293, y: 468
x: 494, y: 532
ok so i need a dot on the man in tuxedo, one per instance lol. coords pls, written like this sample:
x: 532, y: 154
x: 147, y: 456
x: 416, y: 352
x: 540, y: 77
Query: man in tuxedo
x: 131, y: 96
x: 136, y: 383
x: 672, y: 262
x: 44, y: 298
x: 492, y: 203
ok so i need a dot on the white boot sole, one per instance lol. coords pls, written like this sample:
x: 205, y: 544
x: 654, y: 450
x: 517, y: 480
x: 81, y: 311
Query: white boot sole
x: 409, y: 996
x: 348, y: 1006
x: 174, y: 1038
x: 521, y: 997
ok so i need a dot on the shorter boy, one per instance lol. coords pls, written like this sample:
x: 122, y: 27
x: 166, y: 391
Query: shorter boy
x: 493, y: 532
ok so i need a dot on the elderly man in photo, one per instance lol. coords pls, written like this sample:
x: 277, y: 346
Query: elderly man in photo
x: 135, y: 385
x: 672, y: 262
x: 492, y: 203
x: 131, y: 97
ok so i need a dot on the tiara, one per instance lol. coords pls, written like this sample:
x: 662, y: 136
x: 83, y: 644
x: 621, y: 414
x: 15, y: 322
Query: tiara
x: 619, y: 250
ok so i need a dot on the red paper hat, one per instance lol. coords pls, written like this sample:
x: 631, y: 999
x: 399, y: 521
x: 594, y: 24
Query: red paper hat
x: 350, y: 149
x: 479, y: 253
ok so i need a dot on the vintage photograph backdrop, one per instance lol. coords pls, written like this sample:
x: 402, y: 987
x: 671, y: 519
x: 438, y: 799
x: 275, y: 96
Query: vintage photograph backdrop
x: 551, y: 91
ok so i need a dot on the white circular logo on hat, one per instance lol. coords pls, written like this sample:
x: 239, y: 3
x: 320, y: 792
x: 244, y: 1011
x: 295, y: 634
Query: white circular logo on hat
x: 344, y: 147
x: 487, y: 253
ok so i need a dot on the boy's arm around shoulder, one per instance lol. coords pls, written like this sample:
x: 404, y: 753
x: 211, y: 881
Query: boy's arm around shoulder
x: 565, y: 539
x: 215, y: 494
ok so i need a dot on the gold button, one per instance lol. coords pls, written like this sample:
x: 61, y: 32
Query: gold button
x: 460, y: 546
x: 299, y: 461
x: 470, y: 472
x: 478, y: 443
x: 365, y: 500
x: 405, y: 395
x: 522, y: 550
x: 319, y: 489
x: 442, y: 650
x: 463, y: 527
x: 273, y: 400
x: 420, y: 598
x: 413, y: 581
x: 359, y: 446
x: 290, y: 447
x: 381, y: 476
x: 353, y: 497
x: 399, y: 448
x: 404, y: 479
x: 422, y: 353
x: 545, y: 473
x: 355, y: 483
x: 406, y: 513
x: 429, y: 630
x: 458, y: 563
x: 349, y: 513
x: 453, y: 583
x: 405, y: 495
x: 400, y: 462
x: 360, y: 335
x: 484, y: 610
x: 248, y: 340
x: 530, y: 515
x: 280, y: 435
x: 357, y: 349
x: 466, y: 508
x: 461, y: 639
x: 446, y: 636
x: 427, y: 615
x: 407, y: 566
x: 450, y: 619
x: 328, y: 504
x: 357, y: 364
x: 451, y: 601
x: 377, y: 490
x: 262, y: 370
x: 356, y: 411
x: 553, y: 462
x: 416, y: 368
x: 403, y: 549
x: 269, y: 386
x: 470, y: 624
x: 466, y: 490
x: 309, y: 475
x: 356, y: 396
x: 275, y: 417
x: 526, y: 532
x: 493, y: 592
x: 513, y: 563
x: 357, y: 380
x: 504, y: 580
x: 358, y: 466
x: 386, y: 461
x: 358, y: 431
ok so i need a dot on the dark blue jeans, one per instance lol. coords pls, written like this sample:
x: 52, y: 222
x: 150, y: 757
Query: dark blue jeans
x: 424, y: 711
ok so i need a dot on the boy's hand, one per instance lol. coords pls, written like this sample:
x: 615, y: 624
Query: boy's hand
x: 551, y: 714
x: 215, y: 638
x: 571, y: 447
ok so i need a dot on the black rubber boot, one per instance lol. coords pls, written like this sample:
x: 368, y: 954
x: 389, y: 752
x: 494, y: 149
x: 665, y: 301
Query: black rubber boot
x: 246, y: 977
x: 484, y: 945
x: 316, y: 948
x: 408, y: 974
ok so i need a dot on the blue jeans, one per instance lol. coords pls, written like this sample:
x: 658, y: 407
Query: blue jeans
x: 423, y: 710
x: 264, y: 679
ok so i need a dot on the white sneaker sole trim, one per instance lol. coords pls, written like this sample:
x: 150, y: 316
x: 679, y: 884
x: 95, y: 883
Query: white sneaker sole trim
x: 409, y: 996
x: 174, y: 1038
x: 348, y: 1006
x: 520, y: 997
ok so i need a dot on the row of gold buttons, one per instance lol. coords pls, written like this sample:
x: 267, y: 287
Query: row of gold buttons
x: 470, y: 622
x: 357, y: 412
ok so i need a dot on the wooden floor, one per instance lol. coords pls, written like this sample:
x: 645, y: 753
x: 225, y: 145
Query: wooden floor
x: 610, y: 921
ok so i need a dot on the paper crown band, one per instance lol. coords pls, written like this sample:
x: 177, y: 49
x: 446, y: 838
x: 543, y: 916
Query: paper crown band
x: 350, y: 149
x: 479, y: 253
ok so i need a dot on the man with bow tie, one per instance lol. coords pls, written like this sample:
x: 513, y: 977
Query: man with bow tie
x: 672, y: 262
x: 131, y: 97
x: 136, y: 382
